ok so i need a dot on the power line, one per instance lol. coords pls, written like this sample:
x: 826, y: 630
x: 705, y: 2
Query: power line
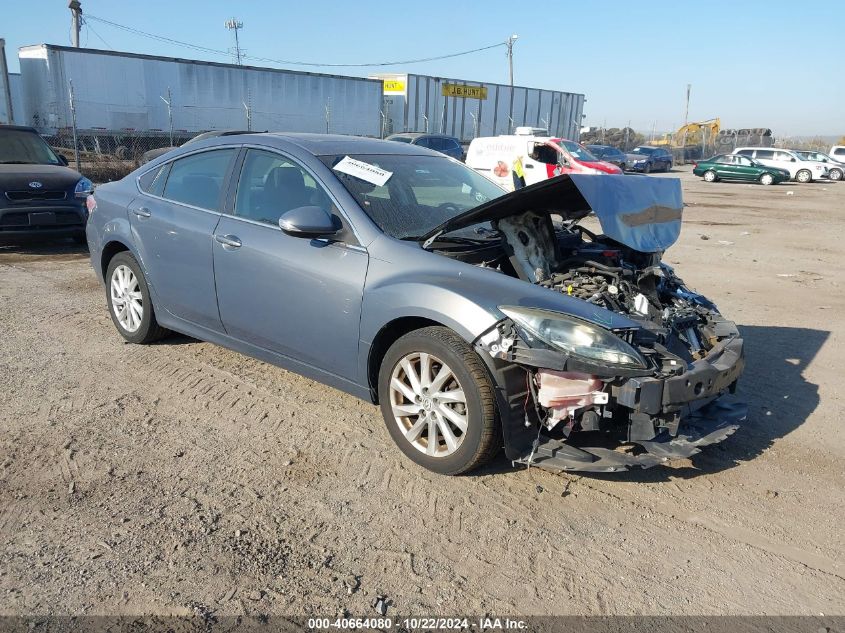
x: 99, y: 37
x: 287, y: 62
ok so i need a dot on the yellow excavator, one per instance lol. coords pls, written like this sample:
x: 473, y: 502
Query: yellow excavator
x: 692, y: 134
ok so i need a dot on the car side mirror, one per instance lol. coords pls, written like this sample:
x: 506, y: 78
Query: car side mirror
x: 62, y: 159
x: 792, y: 160
x: 309, y: 221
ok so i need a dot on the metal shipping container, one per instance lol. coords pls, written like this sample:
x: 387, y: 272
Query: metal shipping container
x: 116, y: 91
x: 466, y: 109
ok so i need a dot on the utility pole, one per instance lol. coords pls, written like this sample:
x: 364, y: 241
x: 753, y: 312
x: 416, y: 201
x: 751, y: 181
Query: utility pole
x: 73, y: 121
x: 169, y: 102
x: 4, y: 82
x: 235, y: 25
x: 76, y: 20
x: 686, y: 109
x: 509, y: 43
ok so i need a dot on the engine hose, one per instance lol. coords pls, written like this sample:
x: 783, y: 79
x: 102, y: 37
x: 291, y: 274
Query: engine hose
x: 585, y: 266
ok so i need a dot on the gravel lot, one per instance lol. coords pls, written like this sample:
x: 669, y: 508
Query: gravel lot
x: 185, y: 478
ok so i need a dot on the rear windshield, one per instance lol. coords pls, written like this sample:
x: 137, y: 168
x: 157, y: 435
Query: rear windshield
x: 401, y: 139
x: 420, y: 193
x: 27, y: 148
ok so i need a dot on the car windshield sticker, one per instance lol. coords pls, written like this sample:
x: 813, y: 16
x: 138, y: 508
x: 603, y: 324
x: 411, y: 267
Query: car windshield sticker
x: 365, y: 171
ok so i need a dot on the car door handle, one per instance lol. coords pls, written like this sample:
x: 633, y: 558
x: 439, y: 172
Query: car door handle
x: 228, y: 240
x: 529, y: 166
x: 142, y: 212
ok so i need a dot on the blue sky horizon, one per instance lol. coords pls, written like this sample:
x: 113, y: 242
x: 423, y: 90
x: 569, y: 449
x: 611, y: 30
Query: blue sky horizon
x: 632, y: 60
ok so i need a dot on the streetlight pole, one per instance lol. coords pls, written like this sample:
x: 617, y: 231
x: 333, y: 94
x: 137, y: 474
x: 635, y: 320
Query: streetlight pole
x: 509, y: 43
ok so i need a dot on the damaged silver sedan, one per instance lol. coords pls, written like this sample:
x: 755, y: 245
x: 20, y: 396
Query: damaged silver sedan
x: 475, y: 318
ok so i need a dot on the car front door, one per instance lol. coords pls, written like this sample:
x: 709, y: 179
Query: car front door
x: 295, y: 296
x: 745, y: 170
x: 173, y: 235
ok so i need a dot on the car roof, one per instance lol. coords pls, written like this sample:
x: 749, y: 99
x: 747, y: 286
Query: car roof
x: 19, y: 128
x: 326, y: 144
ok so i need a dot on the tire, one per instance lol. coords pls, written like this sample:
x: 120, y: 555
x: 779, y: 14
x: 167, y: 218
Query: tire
x: 767, y: 179
x: 710, y: 176
x: 130, y: 291
x: 804, y: 175
x: 623, y: 167
x: 440, y: 349
x: 647, y: 168
x: 835, y: 174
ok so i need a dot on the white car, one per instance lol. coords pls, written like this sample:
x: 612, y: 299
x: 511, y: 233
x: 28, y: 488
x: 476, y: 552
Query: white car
x: 836, y: 168
x: 837, y: 153
x: 800, y: 169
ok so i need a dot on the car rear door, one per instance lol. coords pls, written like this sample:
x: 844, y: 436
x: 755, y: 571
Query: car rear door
x: 173, y: 235
x: 295, y: 296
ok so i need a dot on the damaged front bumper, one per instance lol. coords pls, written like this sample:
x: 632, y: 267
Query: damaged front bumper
x: 666, y: 417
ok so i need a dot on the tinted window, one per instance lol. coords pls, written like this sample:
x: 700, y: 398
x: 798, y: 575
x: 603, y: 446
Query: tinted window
x: 270, y: 185
x: 746, y: 152
x: 198, y: 179
x: 765, y: 154
x: 153, y: 181
x: 22, y: 146
x: 452, y: 144
x: 839, y: 151
x: 424, y: 141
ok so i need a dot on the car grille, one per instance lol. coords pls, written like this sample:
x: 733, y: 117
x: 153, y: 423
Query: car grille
x: 51, y: 218
x: 31, y: 196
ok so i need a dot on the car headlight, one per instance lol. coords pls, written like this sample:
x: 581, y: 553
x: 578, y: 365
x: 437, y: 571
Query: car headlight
x: 84, y: 188
x: 575, y: 337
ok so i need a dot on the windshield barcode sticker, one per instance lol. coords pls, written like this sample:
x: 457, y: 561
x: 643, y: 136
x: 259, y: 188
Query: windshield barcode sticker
x: 365, y: 171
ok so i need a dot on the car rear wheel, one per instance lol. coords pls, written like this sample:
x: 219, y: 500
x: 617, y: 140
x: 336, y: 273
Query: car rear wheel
x: 835, y: 174
x: 767, y: 179
x: 128, y: 298
x: 438, y: 402
x: 710, y: 176
x: 804, y: 176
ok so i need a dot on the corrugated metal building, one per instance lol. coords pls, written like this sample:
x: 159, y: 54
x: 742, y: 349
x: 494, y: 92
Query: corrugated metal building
x: 466, y: 109
x: 116, y: 91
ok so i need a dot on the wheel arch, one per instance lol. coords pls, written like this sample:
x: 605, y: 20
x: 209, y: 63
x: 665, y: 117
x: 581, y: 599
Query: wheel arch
x: 111, y: 249
x: 387, y: 336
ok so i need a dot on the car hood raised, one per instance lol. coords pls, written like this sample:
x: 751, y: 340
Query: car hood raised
x: 51, y: 177
x: 642, y: 213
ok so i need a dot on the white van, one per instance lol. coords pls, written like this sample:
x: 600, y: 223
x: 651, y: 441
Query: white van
x: 801, y: 170
x: 837, y: 153
x: 542, y: 157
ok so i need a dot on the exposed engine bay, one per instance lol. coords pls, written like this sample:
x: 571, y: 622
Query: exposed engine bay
x: 586, y: 414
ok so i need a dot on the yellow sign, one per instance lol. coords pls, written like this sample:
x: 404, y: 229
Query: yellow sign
x: 394, y: 87
x: 464, y: 92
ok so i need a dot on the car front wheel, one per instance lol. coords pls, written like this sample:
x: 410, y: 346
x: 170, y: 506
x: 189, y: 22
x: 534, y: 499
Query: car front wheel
x: 128, y: 298
x: 767, y: 179
x: 438, y: 402
x: 804, y: 176
x: 710, y: 176
x: 647, y: 168
x: 835, y: 174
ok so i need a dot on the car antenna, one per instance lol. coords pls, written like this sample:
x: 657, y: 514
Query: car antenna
x: 430, y: 240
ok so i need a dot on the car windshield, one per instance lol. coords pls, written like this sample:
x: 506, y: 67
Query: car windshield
x: 644, y: 150
x: 578, y: 151
x: 418, y: 192
x: 24, y: 147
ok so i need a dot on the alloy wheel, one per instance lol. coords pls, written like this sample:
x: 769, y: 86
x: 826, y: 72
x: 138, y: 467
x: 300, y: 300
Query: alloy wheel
x: 126, y: 298
x: 428, y: 404
x: 803, y: 176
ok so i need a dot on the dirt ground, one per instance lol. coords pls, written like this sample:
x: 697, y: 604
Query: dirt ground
x: 185, y: 478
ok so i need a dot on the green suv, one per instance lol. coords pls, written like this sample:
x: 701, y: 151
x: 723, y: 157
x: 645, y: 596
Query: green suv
x: 736, y: 167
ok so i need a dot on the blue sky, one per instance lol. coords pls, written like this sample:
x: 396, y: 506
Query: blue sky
x: 753, y: 63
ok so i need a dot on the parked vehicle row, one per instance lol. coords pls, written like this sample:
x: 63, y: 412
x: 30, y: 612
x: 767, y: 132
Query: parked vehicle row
x: 410, y: 280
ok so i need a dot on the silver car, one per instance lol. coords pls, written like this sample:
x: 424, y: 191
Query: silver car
x: 475, y: 318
